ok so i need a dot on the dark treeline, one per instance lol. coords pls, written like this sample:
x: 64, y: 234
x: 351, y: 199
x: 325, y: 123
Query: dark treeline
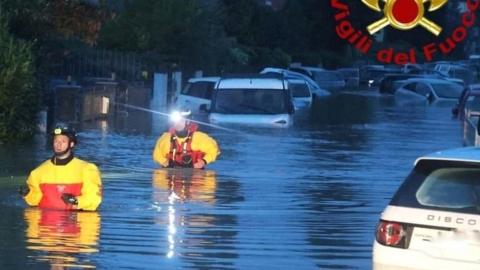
x: 216, y: 36
x: 224, y: 35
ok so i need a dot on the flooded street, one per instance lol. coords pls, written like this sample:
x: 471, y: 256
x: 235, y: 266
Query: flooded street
x: 305, y: 197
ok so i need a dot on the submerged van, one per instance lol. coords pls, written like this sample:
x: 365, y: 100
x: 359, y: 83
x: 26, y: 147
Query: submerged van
x: 258, y: 100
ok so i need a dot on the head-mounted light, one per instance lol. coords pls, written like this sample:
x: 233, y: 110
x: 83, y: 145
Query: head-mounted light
x: 177, y: 116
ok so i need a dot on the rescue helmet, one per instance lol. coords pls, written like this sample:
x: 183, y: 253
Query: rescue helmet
x: 63, y: 129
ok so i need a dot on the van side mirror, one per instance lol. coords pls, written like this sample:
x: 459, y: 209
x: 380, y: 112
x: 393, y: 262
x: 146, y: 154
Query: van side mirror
x: 204, y: 108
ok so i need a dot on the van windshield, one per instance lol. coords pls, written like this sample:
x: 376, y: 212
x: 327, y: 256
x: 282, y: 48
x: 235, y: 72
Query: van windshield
x: 250, y: 101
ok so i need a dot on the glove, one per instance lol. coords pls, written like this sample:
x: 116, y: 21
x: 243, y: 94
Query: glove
x: 69, y: 199
x: 200, y: 164
x: 187, y: 161
x: 23, y: 190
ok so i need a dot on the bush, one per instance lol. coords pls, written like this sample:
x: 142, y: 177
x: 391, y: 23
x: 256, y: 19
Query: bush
x: 19, y: 100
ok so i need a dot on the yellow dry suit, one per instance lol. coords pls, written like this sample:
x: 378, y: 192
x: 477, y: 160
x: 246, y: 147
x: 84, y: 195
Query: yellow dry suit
x: 48, y: 182
x: 198, y: 144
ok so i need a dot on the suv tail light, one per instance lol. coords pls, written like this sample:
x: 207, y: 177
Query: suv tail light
x: 393, y: 234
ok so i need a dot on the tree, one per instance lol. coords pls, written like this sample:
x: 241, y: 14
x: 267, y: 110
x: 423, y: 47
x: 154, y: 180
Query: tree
x: 185, y: 33
x: 18, y: 97
x: 38, y: 19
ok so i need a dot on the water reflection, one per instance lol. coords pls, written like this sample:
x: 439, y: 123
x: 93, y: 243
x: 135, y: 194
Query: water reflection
x: 60, y: 237
x: 193, y: 234
x: 186, y: 184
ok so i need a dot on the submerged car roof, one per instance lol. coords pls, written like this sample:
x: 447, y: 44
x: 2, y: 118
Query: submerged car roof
x: 252, y: 83
x: 292, y: 74
x: 429, y: 80
x: 468, y: 154
x: 204, y: 79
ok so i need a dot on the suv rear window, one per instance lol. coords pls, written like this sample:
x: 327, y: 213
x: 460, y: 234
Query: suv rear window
x: 441, y: 185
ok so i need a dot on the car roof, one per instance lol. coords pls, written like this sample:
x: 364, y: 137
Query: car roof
x: 474, y: 87
x: 312, y: 68
x: 274, y: 69
x: 284, y: 72
x: 296, y: 80
x: 204, y: 79
x: 289, y: 74
x: 251, y: 83
x: 468, y: 154
x: 429, y: 80
x: 475, y: 92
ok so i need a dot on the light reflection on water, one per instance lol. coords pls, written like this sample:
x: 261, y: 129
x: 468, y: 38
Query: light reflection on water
x: 307, y: 197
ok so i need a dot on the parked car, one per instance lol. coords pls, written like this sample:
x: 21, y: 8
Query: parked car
x: 326, y: 79
x: 197, y: 91
x: 456, y: 71
x: 370, y: 75
x: 302, y: 96
x: 471, y: 127
x: 389, y: 82
x: 436, y: 74
x: 316, y: 90
x: 467, y: 110
x: 411, y: 68
x: 468, y: 94
x: 258, y: 100
x: 351, y: 76
x: 428, y: 89
x: 433, y: 220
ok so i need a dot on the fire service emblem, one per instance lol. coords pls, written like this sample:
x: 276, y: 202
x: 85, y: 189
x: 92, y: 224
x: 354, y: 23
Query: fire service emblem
x: 403, y: 15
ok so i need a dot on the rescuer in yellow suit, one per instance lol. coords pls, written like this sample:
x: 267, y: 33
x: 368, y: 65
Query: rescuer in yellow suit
x: 64, y: 181
x: 184, y: 146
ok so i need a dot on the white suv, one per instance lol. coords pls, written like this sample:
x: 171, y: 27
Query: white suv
x: 433, y: 221
x: 197, y: 92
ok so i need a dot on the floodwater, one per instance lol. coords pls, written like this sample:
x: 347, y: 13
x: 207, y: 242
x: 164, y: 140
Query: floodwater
x: 304, y: 197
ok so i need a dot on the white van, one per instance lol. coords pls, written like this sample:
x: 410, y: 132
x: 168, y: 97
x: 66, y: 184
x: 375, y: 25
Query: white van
x: 258, y: 100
